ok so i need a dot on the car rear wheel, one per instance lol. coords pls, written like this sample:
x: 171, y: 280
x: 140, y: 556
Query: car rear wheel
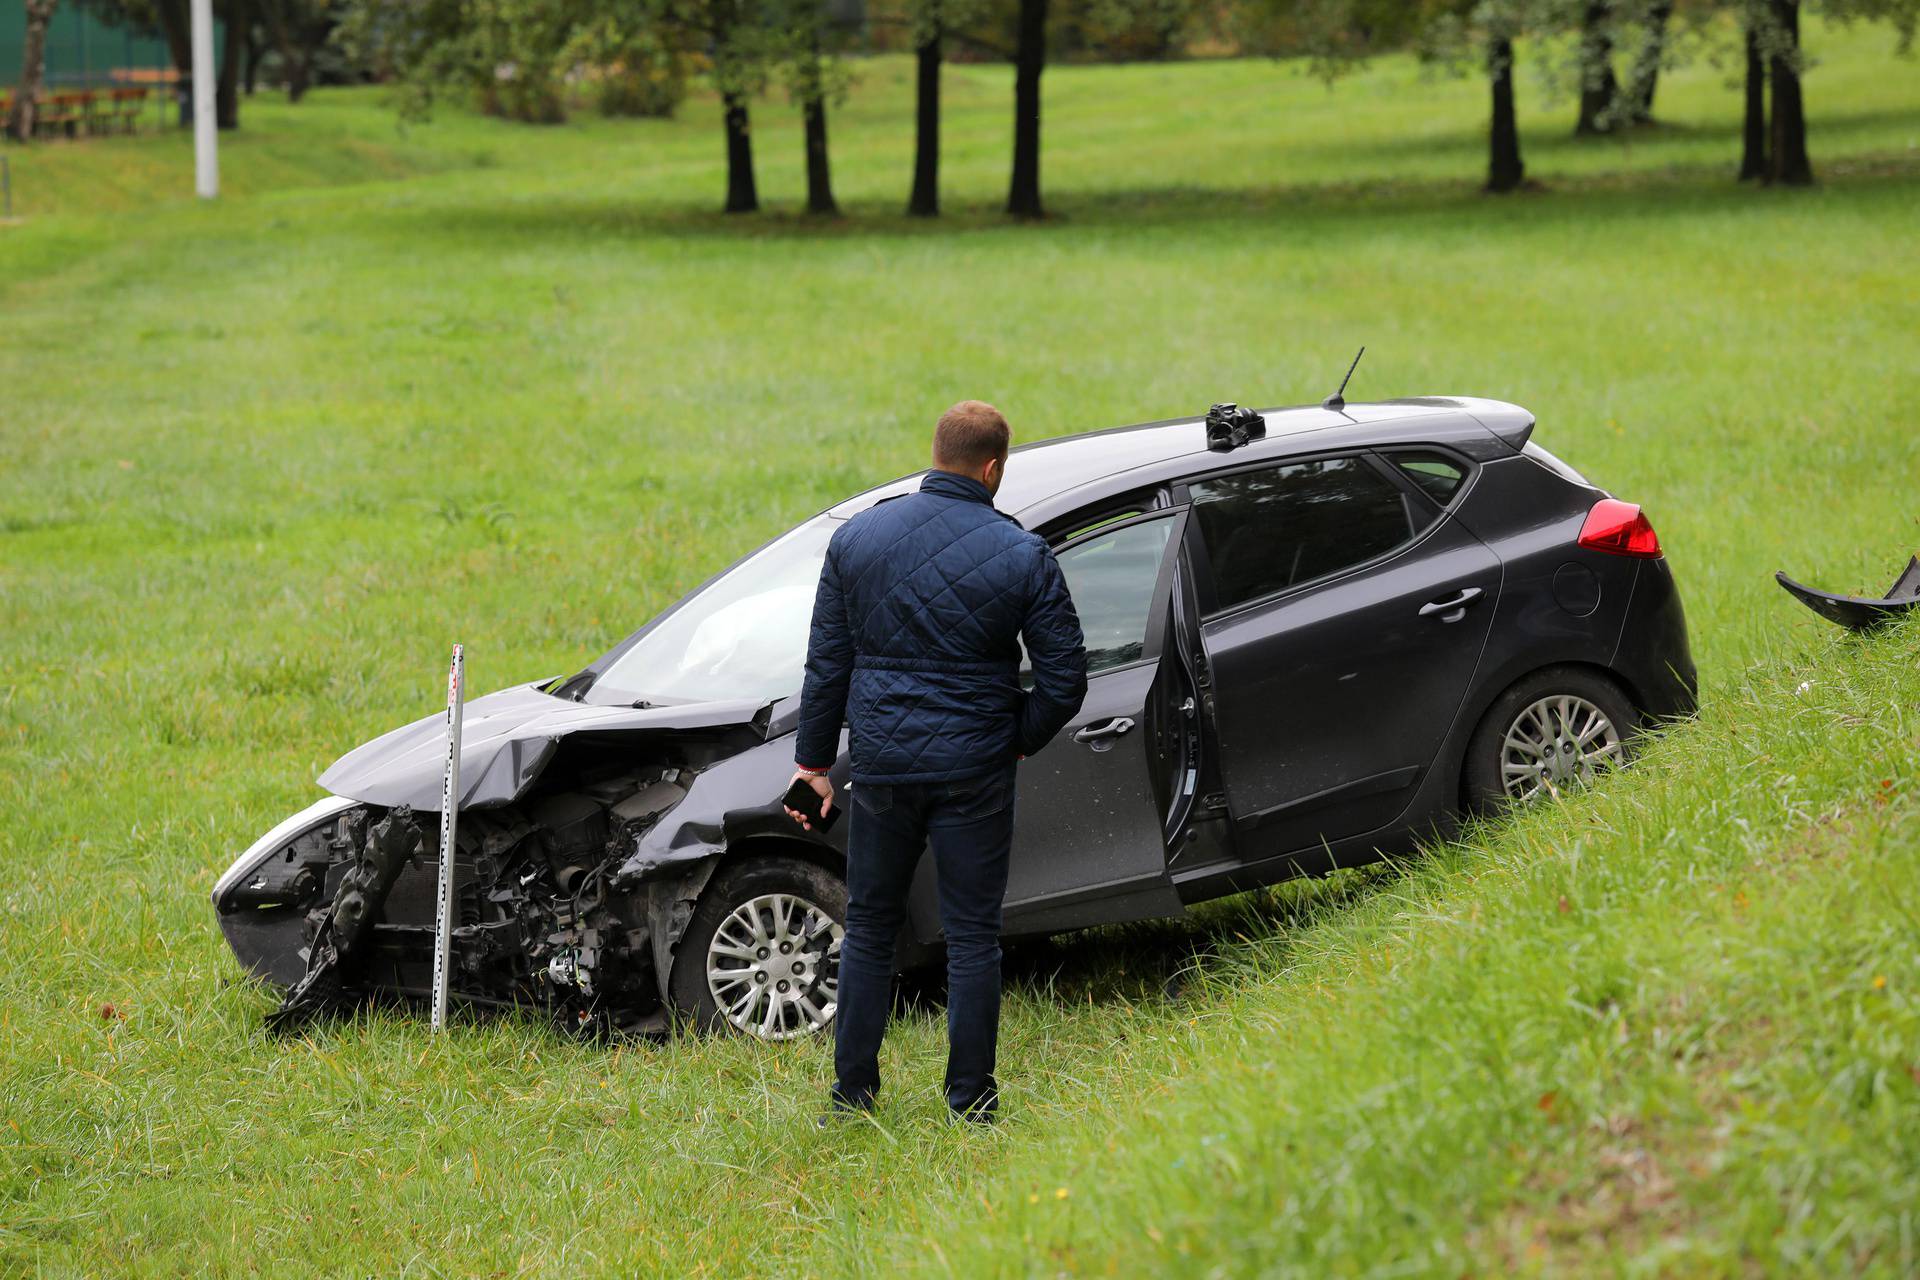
x: 1553, y: 731
x: 761, y: 955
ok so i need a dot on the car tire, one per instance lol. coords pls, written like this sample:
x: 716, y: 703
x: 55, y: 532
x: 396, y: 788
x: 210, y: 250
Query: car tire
x: 1520, y: 752
x: 748, y: 912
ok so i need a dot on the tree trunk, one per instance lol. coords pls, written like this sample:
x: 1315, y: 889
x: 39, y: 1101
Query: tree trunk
x: 741, y: 196
x: 1753, y: 138
x: 296, y: 62
x: 1646, y: 67
x: 33, y: 71
x: 1030, y: 59
x: 1787, y: 162
x: 924, y: 202
x: 226, y: 98
x: 1598, y: 85
x: 1504, y: 169
x: 819, y: 175
x: 175, y: 25
x: 250, y: 73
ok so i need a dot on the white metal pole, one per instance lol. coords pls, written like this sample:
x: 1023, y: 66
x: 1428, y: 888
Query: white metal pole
x: 206, y: 161
x: 449, y: 818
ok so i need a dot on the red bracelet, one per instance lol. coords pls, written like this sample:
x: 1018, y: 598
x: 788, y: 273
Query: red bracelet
x: 809, y: 770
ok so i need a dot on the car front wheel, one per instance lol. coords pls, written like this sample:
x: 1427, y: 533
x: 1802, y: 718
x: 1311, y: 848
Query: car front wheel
x: 761, y: 955
x: 1553, y: 731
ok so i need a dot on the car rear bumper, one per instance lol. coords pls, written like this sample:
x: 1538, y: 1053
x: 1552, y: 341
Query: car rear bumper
x: 1654, y: 656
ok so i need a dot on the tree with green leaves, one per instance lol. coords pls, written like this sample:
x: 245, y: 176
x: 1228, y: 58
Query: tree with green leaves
x: 812, y: 77
x: 738, y: 37
x: 511, y: 56
x: 1461, y: 32
x: 172, y: 21
x: 525, y: 59
x: 1599, y: 86
x: 1787, y: 161
x: 237, y: 17
x: 931, y: 23
x: 299, y: 32
x: 1644, y: 78
x: 1773, y: 137
x: 1029, y: 61
x: 1608, y: 101
x: 1753, y: 132
x: 1338, y: 35
x: 806, y: 37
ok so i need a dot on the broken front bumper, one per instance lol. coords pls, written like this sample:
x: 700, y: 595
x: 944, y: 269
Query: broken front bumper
x: 1860, y: 613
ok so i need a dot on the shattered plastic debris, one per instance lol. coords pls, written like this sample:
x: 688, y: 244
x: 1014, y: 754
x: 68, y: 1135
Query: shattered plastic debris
x: 1859, y: 613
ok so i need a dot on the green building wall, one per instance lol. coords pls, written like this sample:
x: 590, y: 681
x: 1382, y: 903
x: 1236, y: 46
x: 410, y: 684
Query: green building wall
x: 81, y: 50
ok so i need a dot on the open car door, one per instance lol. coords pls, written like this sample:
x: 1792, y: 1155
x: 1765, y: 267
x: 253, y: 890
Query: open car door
x: 1092, y: 823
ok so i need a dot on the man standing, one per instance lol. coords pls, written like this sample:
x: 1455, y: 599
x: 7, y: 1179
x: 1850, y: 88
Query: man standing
x: 922, y: 603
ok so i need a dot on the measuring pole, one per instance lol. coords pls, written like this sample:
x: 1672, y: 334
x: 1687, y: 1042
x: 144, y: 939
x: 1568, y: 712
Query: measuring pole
x: 449, y: 817
x: 206, y: 163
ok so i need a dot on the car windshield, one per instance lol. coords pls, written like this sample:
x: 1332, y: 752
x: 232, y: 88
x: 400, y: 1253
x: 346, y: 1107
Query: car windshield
x: 744, y: 636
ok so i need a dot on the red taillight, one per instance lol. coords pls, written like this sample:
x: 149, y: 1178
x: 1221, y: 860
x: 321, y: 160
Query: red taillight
x: 1620, y: 529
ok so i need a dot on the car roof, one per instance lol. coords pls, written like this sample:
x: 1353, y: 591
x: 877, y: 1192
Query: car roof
x: 1041, y: 473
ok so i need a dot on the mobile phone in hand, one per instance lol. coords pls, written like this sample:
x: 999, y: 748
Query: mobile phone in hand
x: 802, y: 798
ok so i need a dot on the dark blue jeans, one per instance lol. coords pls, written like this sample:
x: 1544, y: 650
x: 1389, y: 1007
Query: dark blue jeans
x: 969, y: 824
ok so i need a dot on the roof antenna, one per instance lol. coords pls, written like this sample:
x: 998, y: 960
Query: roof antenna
x: 1337, y: 401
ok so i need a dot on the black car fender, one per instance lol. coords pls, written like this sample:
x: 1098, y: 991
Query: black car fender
x: 731, y: 809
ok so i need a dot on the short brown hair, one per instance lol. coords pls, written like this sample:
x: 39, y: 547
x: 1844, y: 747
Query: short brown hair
x: 971, y: 434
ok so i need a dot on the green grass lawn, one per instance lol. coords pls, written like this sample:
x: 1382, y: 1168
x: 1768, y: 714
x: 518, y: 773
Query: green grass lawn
x: 264, y: 460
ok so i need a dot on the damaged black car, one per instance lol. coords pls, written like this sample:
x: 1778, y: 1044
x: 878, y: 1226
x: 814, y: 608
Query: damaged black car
x: 1316, y: 636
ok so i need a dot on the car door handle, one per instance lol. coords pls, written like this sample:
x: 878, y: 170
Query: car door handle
x: 1453, y: 608
x: 1101, y: 732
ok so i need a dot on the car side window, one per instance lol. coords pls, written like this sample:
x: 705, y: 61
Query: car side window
x: 1111, y: 578
x: 1438, y: 477
x: 1279, y: 527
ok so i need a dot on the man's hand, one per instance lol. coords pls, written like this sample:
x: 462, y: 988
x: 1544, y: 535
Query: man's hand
x: 821, y: 787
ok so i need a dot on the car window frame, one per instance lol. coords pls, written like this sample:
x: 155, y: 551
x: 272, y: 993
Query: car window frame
x: 1104, y: 513
x: 1159, y: 605
x: 1469, y: 472
x: 1206, y: 599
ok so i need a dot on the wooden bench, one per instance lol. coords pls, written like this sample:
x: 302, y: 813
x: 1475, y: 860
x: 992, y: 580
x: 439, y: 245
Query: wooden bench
x: 123, y: 108
x: 68, y: 112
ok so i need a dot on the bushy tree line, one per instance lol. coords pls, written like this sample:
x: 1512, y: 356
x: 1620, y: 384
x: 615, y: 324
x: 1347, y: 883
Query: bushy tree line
x: 1607, y: 55
x: 533, y: 60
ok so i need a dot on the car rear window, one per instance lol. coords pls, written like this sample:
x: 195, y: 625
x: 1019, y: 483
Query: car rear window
x: 1279, y: 527
x: 1540, y: 457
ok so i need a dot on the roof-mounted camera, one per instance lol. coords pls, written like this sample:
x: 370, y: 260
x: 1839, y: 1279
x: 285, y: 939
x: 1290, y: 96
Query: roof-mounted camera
x: 1229, y: 426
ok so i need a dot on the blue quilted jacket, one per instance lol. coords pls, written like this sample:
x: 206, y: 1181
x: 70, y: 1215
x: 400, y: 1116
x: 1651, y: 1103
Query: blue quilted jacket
x: 916, y: 624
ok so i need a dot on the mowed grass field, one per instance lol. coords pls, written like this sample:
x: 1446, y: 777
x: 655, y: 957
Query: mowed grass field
x: 264, y: 461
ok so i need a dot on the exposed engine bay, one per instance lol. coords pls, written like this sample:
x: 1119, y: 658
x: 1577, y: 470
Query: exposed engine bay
x: 541, y: 915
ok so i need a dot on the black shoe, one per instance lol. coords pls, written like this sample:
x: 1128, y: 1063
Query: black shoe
x: 981, y: 1111
x: 840, y: 1110
x: 984, y: 1113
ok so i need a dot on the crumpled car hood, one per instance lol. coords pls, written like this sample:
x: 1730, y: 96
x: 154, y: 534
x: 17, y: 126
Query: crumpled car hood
x: 506, y: 739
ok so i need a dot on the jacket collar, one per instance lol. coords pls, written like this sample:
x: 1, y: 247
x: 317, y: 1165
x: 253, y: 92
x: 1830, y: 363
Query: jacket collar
x: 949, y: 484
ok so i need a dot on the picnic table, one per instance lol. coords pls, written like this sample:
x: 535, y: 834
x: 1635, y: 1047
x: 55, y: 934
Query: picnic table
x: 76, y: 113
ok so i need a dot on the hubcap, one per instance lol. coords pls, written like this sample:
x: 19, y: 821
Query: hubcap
x: 773, y: 967
x: 1554, y: 743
